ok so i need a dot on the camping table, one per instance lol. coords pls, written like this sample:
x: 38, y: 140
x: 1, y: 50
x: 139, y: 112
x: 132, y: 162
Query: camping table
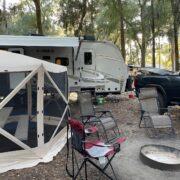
x: 4, y: 114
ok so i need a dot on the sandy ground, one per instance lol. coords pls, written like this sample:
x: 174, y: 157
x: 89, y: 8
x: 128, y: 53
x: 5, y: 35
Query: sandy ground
x: 127, y: 163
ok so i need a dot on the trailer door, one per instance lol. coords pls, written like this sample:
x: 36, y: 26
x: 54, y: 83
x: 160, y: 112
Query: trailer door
x: 87, y: 64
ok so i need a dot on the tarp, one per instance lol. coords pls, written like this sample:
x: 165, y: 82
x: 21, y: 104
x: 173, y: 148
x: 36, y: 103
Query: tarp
x: 12, y: 62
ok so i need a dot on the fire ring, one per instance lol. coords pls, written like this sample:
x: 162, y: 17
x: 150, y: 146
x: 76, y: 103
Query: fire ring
x: 160, y: 157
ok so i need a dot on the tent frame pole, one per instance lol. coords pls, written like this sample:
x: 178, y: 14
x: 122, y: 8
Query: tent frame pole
x: 40, y: 106
x: 29, y: 99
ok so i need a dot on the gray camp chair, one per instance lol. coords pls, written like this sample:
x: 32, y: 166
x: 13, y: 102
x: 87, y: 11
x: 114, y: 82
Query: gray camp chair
x: 154, y: 122
x: 103, y: 118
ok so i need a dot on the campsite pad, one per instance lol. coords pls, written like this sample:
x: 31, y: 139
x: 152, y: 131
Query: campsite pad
x: 160, y: 156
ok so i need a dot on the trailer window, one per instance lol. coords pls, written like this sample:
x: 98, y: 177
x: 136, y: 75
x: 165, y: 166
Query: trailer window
x: 17, y: 52
x: 64, y: 61
x: 87, y: 58
x: 46, y: 58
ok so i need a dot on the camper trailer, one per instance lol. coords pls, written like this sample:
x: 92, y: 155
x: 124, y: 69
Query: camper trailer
x: 92, y: 65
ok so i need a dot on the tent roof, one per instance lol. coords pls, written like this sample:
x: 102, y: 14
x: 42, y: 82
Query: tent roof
x: 13, y: 62
x: 6, y: 40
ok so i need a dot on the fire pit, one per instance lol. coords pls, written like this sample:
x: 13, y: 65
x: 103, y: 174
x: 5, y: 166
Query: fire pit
x: 160, y: 157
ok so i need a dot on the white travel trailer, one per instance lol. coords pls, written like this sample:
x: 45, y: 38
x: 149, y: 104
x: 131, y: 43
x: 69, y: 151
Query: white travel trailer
x: 92, y: 65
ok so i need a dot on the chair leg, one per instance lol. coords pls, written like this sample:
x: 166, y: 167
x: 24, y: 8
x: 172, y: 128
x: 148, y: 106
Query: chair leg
x: 140, y: 123
x: 112, y: 169
x: 105, y: 167
x: 73, y: 163
x: 85, y: 166
x: 83, y: 163
x: 76, y: 161
x: 101, y: 170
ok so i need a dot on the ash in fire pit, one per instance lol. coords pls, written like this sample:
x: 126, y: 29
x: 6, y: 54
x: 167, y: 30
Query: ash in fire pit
x: 161, y: 157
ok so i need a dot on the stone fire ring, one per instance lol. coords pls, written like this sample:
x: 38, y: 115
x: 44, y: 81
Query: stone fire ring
x: 160, y: 157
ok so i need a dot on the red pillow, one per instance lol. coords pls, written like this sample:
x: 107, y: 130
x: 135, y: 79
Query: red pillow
x: 76, y: 125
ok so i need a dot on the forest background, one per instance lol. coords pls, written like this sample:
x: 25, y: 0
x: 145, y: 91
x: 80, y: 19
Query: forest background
x: 146, y: 31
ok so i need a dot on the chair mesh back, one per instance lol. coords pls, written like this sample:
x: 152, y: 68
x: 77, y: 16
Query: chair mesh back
x: 85, y: 103
x: 77, y: 129
x: 77, y: 141
x: 148, y: 100
x: 149, y: 105
x: 146, y: 93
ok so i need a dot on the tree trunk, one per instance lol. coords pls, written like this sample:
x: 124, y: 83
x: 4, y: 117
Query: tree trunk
x: 38, y: 16
x: 175, y: 12
x: 172, y: 53
x: 176, y: 47
x: 153, y: 35
x: 80, y: 26
x: 123, y: 51
x: 143, y: 51
x: 142, y: 5
x: 143, y: 27
x: 4, y: 19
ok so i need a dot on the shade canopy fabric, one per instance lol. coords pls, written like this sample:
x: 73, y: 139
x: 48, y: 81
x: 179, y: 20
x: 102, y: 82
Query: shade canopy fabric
x: 12, y: 62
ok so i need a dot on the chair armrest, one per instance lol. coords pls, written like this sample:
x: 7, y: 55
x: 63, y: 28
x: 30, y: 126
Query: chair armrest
x: 98, y: 108
x: 95, y: 143
x: 117, y: 147
x: 87, y: 119
x: 118, y: 141
x: 87, y: 116
x: 91, y: 130
x: 103, y: 111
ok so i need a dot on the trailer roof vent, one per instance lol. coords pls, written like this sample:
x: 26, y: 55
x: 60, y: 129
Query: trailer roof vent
x: 34, y: 34
x: 89, y: 37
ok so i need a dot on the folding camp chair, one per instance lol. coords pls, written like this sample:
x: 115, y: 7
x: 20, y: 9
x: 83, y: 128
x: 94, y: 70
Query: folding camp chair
x: 150, y: 113
x: 91, y: 150
x: 103, y: 117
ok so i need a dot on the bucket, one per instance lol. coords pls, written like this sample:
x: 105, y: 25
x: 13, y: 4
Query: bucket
x: 131, y: 95
x: 100, y: 100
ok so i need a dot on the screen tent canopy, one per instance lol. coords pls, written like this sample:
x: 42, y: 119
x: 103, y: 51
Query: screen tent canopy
x: 45, y: 148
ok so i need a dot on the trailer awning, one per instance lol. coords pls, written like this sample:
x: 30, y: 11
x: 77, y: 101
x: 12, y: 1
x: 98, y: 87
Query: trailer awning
x: 45, y: 41
x: 12, y: 62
